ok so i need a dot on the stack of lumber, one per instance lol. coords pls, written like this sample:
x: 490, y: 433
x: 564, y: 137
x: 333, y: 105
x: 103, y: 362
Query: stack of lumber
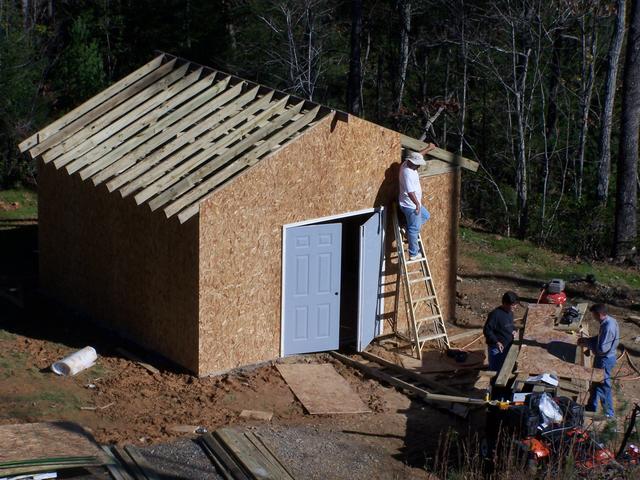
x: 47, y: 447
x: 543, y: 348
x: 243, y: 456
x: 129, y: 464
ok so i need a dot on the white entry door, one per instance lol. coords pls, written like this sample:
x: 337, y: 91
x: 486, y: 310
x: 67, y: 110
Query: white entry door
x: 312, y: 288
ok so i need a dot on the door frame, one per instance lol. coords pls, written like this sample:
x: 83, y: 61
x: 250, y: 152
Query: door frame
x: 380, y: 210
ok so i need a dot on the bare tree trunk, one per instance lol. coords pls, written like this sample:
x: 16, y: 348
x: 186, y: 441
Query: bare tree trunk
x: 626, y: 190
x: 355, y: 66
x: 26, y: 13
x: 403, y: 61
x: 379, y: 80
x: 465, y: 78
x: 589, y: 48
x: 602, y: 187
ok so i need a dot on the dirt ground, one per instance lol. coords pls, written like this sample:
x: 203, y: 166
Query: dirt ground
x: 120, y: 401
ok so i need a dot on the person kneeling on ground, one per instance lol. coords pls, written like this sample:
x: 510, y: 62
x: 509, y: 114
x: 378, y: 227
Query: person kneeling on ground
x: 410, y: 198
x: 604, y: 346
x: 499, y: 331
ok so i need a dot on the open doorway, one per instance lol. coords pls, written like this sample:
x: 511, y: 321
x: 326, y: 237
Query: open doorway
x: 331, y: 282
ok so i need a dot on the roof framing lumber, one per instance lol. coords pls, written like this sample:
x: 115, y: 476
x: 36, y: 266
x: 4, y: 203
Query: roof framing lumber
x: 253, y: 157
x: 187, y: 132
x: 103, y: 110
x: 169, y: 112
x: 90, y: 104
x: 439, y: 153
x: 158, y: 179
x: 167, y: 88
x: 197, y: 179
x: 173, y: 132
x: 198, y: 107
x: 219, y: 139
x: 101, y: 119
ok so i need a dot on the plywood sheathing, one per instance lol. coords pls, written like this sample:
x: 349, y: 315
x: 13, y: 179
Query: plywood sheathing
x: 126, y: 267
x: 334, y: 168
x: 547, y: 350
x: 321, y: 389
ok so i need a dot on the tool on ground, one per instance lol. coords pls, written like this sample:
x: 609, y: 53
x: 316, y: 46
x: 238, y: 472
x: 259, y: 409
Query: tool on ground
x: 421, y: 300
x: 553, y: 292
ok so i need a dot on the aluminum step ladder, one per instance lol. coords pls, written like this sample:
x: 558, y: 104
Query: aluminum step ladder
x: 421, y: 299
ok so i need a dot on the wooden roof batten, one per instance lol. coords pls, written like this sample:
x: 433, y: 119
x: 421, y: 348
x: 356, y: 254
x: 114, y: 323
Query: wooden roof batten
x: 173, y: 132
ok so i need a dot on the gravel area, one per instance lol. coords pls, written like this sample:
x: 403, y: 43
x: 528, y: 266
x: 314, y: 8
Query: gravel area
x: 182, y: 459
x: 312, y: 453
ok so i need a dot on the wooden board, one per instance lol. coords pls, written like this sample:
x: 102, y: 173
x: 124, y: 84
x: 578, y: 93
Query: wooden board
x: 545, y: 349
x: 321, y: 389
x: 29, y: 441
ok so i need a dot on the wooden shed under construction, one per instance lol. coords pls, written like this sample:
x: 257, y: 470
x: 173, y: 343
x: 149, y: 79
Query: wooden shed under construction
x: 221, y: 223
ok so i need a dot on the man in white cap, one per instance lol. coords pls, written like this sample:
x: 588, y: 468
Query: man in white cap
x: 410, y: 198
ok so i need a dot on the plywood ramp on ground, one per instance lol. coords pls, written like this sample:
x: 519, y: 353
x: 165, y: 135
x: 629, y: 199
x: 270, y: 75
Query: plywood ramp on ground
x: 321, y: 389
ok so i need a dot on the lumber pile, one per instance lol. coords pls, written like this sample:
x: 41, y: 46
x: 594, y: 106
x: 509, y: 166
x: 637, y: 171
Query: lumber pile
x: 243, y: 456
x: 545, y: 348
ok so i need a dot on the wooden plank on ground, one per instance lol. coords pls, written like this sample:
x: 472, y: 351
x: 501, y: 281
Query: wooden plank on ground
x: 245, y: 453
x: 115, y: 468
x: 321, y: 389
x: 223, y: 457
x: 437, y: 386
x: 507, y: 367
x: 148, y: 471
x: 396, y: 382
x: 274, y: 463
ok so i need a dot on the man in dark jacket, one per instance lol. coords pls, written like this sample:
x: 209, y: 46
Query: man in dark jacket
x: 499, y: 331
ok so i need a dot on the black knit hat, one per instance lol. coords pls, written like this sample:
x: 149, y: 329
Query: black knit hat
x: 509, y: 298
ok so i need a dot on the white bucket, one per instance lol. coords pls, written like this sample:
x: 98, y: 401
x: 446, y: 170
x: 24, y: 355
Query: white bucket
x: 76, y: 362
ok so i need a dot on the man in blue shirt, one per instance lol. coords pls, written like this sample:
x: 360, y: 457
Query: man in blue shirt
x: 604, y: 346
x: 499, y: 331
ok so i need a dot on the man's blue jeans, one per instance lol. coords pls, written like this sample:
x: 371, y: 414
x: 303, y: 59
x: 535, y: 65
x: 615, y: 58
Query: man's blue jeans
x: 602, y: 391
x: 496, y: 357
x: 414, y: 223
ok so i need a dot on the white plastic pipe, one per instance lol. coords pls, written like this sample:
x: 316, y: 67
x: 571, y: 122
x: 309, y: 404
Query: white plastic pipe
x: 76, y: 362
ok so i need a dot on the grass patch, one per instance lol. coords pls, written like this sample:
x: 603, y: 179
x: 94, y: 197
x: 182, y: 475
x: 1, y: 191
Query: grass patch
x: 27, y: 204
x: 12, y: 362
x: 6, y: 336
x: 497, y: 254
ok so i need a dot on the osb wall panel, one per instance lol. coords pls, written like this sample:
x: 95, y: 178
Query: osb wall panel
x: 124, y: 266
x: 334, y: 168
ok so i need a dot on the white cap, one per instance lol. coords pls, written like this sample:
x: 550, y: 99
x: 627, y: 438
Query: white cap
x: 415, y: 158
